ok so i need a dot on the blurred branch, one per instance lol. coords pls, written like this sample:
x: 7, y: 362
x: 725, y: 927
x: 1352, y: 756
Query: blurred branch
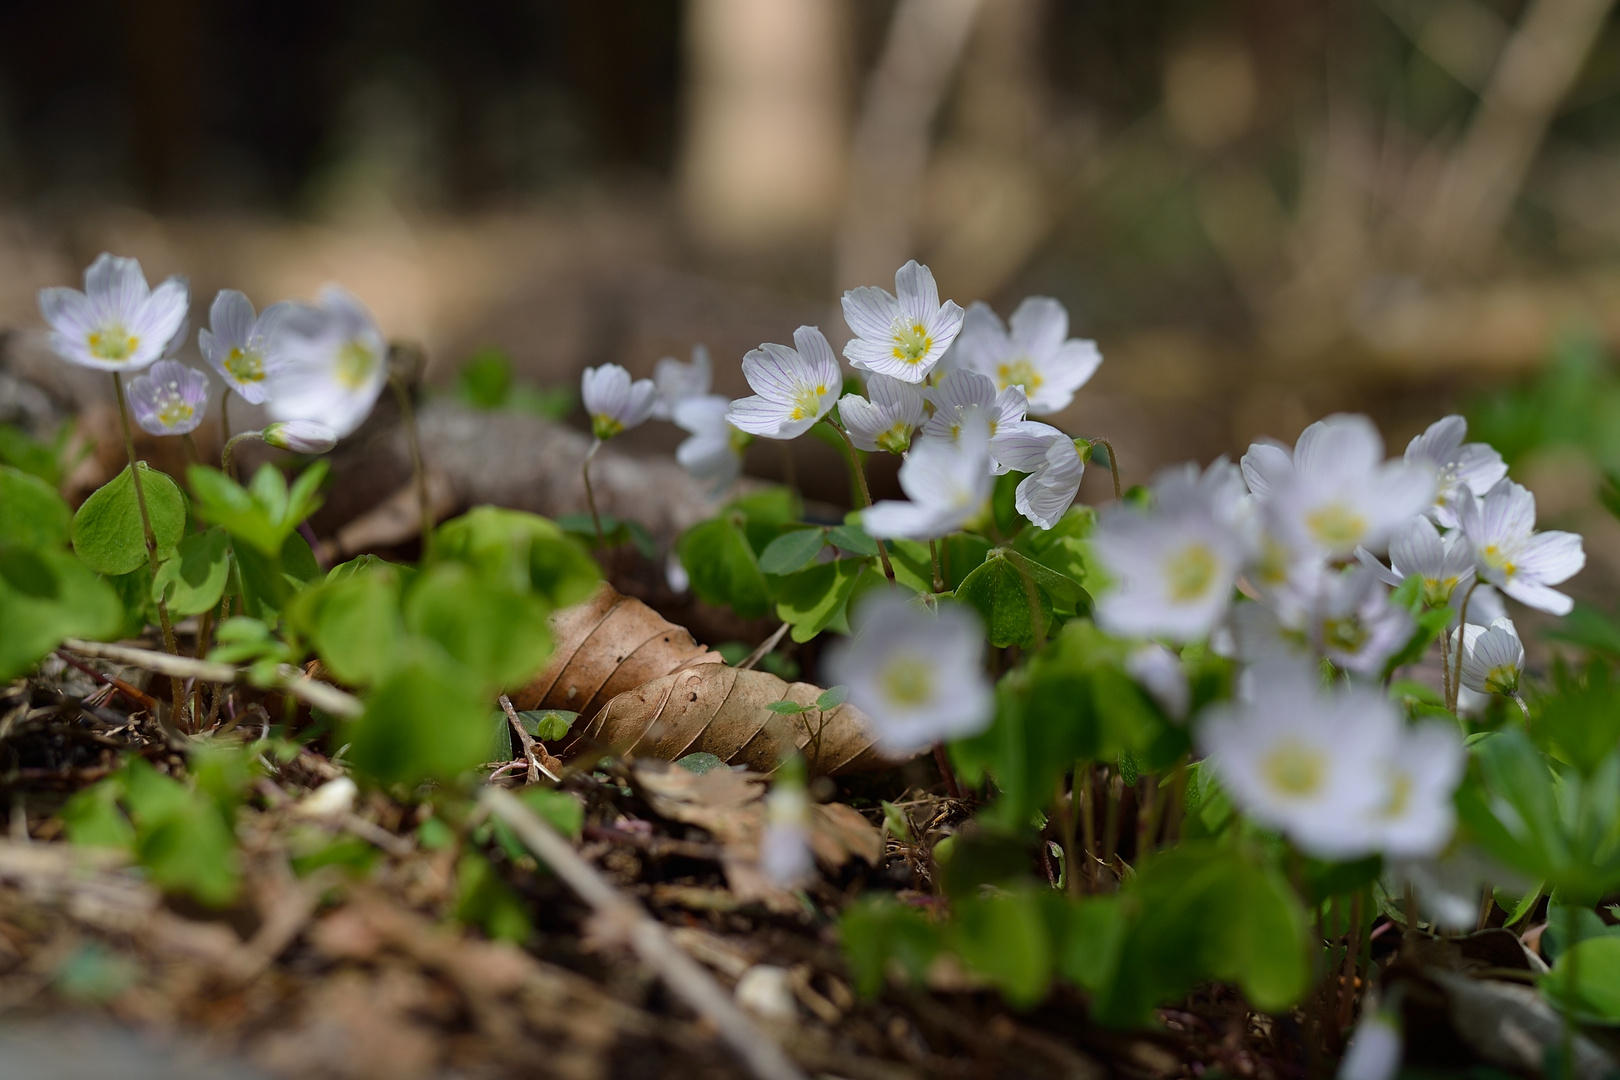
x: 1483, y: 176
x: 890, y: 150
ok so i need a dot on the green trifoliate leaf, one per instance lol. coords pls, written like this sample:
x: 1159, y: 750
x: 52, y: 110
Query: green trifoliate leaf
x: 427, y: 720
x: 354, y: 623
x: 46, y: 596
x: 1015, y: 609
x: 547, y: 725
x: 814, y: 599
x: 193, y: 579
x: 32, y: 514
x: 853, y: 539
x: 722, y: 567
x: 791, y: 551
x: 107, y: 532
x: 500, y: 635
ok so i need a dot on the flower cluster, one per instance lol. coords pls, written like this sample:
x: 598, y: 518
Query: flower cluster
x: 1277, y: 563
x: 316, y: 368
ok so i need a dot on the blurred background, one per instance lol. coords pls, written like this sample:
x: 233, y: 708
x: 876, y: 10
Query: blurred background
x: 1263, y: 210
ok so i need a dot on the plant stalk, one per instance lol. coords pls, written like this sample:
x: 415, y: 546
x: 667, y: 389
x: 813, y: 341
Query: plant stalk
x: 1113, y: 465
x: 177, y: 690
x: 413, y: 441
x: 1462, y: 636
x: 866, y: 492
x: 227, y: 456
x: 1088, y: 819
x: 939, y: 578
x: 590, y: 496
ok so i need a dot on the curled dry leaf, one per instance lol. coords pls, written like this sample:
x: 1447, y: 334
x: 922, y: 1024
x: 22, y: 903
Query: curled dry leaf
x: 607, y: 645
x: 720, y: 710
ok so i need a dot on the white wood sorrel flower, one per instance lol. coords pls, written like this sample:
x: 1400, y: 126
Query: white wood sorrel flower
x: 714, y: 451
x: 1510, y: 554
x: 1033, y: 352
x: 237, y: 342
x: 917, y: 673
x: 169, y: 398
x: 678, y: 382
x: 1054, y: 465
x: 1463, y: 470
x: 117, y: 323
x: 613, y: 401
x: 948, y: 484
x: 793, y: 388
x: 1493, y: 657
x: 886, y: 422
x: 300, y: 436
x: 1339, y: 492
x: 331, y: 362
x: 962, y: 397
x: 904, y: 334
x: 1442, y: 562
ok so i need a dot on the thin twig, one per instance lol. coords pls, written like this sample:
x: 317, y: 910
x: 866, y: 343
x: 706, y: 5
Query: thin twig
x: 764, y: 650
x: 322, y: 695
x: 145, y: 701
x: 528, y: 744
x: 651, y: 941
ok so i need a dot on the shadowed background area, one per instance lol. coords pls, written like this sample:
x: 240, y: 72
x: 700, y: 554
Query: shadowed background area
x: 1264, y: 210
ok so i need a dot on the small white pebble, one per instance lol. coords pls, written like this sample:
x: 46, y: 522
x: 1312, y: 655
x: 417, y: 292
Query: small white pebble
x: 765, y: 990
x: 332, y: 799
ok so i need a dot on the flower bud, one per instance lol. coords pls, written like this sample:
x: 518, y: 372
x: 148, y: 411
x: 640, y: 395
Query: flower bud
x: 301, y: 436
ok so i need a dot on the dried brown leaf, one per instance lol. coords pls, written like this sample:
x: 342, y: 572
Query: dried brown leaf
x: 720, y: 710
x: 607, y: 645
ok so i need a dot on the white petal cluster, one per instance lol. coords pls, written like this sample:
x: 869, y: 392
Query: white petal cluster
x: 169, y: 398
x: 614, y: 402
x: 948, y: 483
x: 889, y: 420
x: 1493, y: 657
x: 793, y: 388
x: 678, y: 382
x: 902, y: 334
x: 117, y: 323
x: 1509, y: 552
x: 961, y: 398
x: 1053, y: 463
x: 919, y: 674
x: 1441, y: 562
x: 784, y: 846
x: 239, y: 344
x: 330, y: 362
x: 714, y: 450
x: 1033, y: 352
x: 1460, y: 468
x: 1338, y: 771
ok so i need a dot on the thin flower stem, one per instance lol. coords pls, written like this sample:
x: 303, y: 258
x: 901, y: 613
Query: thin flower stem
x: 1445, y: 664
x: 590, y: 496
x: 866, y: 493
x: 939, y: 579
x: 413, y: 441
x: 1069, y: 820
x: 1113, y: 464
x: 192, y: 452
x: 1518, y: 700
x: 1110, y: 839
x: 948, y: 774
x: 1462, y: 637
x: 227, y: 462
x: 1088, y: 819
x: 177, y: 690
x: 225, y: 417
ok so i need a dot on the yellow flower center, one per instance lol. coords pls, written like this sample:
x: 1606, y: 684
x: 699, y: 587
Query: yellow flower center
x: 243, y: 366
x: 807, y: 402
x: 1294, y: 770
x: 1494, y: 556
x: 355, y: 364
x: 1190, y: 572
x: 911, y: 341
x: 113, y: 343
x: 1344, y: 635
x: 1400, y: 795
x: 908, y: 681
x: 1502, y: 679
x: 1018, y: 372
x: 1437, y: 591
x: 1336, y: 525
x: 604, y: 427
x: 175, y: 412
x: 1274, y: 562
x: 896, y: 440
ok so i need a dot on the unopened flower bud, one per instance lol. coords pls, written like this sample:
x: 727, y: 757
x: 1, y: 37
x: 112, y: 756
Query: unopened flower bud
x: 301, y: 436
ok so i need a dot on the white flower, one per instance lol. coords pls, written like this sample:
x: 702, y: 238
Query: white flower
x: 1303, y: 760
x: 1511, y: 555
x: 715, y: 450
x: 1416, y: 818
x: 1341, y: 493
x: 1172, y: 567
x: 963, y: 397
x: 1376, y: 1048
x: 331, y: 362
x: 1266, y: 467
x: 919, y: 675
x: 1353, y: 624
x: 886, y: 422
x: 1464, y: 470
x: 678, y: 382
x: 1038, y: 355
x: 948, y: 483
x: 300, y: 436
x: 794, y: 388
x: 905, y: 336
x: 1492, y: 658
x: 614, y: 402
x: 1052, y: 461
x: 117, y: 323
x: 1158, y: 671
x: 237, y: 343
x: 169, y: 399
x: 784, y: 847
x: 1442, y: 562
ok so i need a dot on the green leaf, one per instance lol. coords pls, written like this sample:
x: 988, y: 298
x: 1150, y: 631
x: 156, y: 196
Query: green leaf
x: 722, y: 567
x: 1004, y: 503
x: 94, y: 819
x: 770, y: 506
x: 787, y: 708
x: 268, y: 584
x: 107, y: 531
x: 32, y: 514
x: 792, y: 551
x: 226, y: 503
x: 547, y: 725
x: 853, y: 539
x: 485, y: 901
x: 700, y: 762
x: 354, y: 623
x: 192, y: 580
x: 1005, y: 938
x: 1089, y: 936
x: 519, y: 552
x: 878, y: 934
x: 46, y: 596
x: 501, y: 635
x: 185, y: 842
x: 426, y: 720
x: 814, y: 599
x: 1596, y: 993
x: 485, y: 379
x: 1065, y: 592
x: 832, y: 697
x: 1015, y: 609
x: 49, y: 462
x: 615, y: 532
